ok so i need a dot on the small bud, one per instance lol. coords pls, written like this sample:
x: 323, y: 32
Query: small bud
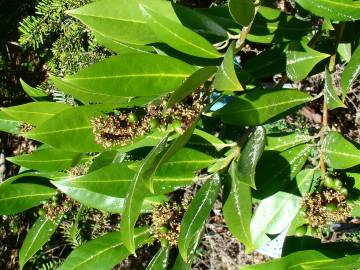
x: 132, y: 118
x: 301, y: 231
x: 344, y: 191
x: 163, y: 229
x: 176, y: 125
x: 331, y: 207
x: 154, y: 123
x: 164, y: 242
x: 41, y: 212
x: 329, y: 182
x: 337, y: 184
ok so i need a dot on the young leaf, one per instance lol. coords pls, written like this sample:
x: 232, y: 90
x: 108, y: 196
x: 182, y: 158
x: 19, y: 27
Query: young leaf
x: 36, y: 237
x: 242, y: 11
x: 276, y: 212
x: 126, y: 76
x: 332, y: 100
x: 48, y: 159
x: 160, y: 260
x: 35, y: 113
x: 339, y: 152
x: 15, y: 198
x: 301, y: 59
x: 178, y: 36
x: 35, y: 94
x: 191, y: 84
x: 339, y: 10
x: 225, y: 78
x: 281, y: 142
x: 351, y: 72
x: 249, y: 157
x: 104, y: 252
x: 260, y: 105
x: 237, y: 208
x: 196, y: 215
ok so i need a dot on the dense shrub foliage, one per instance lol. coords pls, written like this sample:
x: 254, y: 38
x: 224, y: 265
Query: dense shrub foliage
x: 187, y: 96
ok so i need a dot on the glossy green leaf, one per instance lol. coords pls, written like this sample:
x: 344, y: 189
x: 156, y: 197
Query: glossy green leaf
x: 203, y: 139
x: 178, y: 36
x: 35, y: 113
x: 225, y: 78
x: 332, y: 100
x: 283, y: 141
x: 36, y: 237
x: 242, y: 11
x: 119, y: 78
x: 249, y: 157
x: 344, y: 51
x: 275, y: 169
x: 47, y: 159
x: 160, y: 260
x: 340, y: 10
x: 103, y: 253
x: 71, y: 130
x: 196, y: 215
x: 198, y: 78
x: 301, y: 59
x: 351, y: 72
x: 9, y: 124
x: 260, y: 105
x: 276, y: 212
x: 237, y: 207
x: 35, y: 94
x: 339, y: 152
x: 15, y: 198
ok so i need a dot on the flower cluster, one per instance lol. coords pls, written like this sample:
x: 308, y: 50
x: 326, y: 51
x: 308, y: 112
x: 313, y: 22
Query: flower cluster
x: 122, y: 127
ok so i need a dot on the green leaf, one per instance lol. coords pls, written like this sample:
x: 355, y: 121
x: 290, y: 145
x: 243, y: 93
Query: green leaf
x: 15, y: 198
x: 9, y: 124
x: 260, y: 105
x: 160, y: 260
x: 196, y: 215
x: 71, y: 130
x: 283, y: 141
x: 178, y: 36
x: 339, y: 152
x: 198, y: 78
x: 242, y: 11
x: 237, y: 207
x: 120, y: 78
x: 351, y: 72
x: 35, y: 94
x: 309, y: 259
x: 276, y: 212
x: 332, y: 100
x: 47, y: 159
x: 35, y: 113
x: 102, y: 253
x: 36, y: 237
x: 203, y: 139
x: 339, y: 10
x: 301, y: 59
x: 249, y: 157
x: 276, y: 169
x: 225, y: 78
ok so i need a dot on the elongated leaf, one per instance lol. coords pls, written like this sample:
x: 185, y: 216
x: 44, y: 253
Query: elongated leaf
x: 340, y: 10
x: 102, y: 253
x: 275, y: 170
x: 35, y: 94
x: 196, y: 215
x: 332, y: 100
x: 160, y: 260
x: 249, y: 157
x: 282, y: 142
x: 351, y: 72
x: 242, y: 11
x: 36, y: 237
x: 237, y: 208
x: 209, y: 140
x: 276, y: 212
x: 47, y: 159
x: 339, y: 152
x: 35, y: 113
x: 71, y: 130
x: 178, y: 36
x: 126, y: 76
x: 9, y: 124
x: 225, y: 78
x: 191, y: 84
x: 258, y: 106
x: 15, y: 198
x: 301, y: 59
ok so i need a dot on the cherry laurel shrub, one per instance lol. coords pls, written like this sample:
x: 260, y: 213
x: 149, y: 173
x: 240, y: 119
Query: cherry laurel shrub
x: 188, y: 97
